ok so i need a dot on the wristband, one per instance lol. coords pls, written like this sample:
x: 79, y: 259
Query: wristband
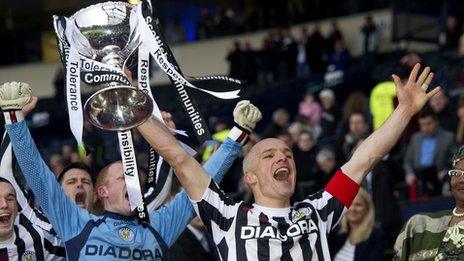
x: 12, y: 116
x: 239, y: 135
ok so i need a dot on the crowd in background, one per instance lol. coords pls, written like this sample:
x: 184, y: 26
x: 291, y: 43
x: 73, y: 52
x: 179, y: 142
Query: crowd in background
x: 283, y: 56
x: 252, y: 15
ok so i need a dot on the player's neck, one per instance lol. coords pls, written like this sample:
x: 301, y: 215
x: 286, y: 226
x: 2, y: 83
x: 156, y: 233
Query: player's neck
x: 272, y: 202
x: 7, y: 239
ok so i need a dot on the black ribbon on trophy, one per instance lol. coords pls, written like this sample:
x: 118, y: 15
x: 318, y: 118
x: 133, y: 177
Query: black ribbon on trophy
x: 94, y: 45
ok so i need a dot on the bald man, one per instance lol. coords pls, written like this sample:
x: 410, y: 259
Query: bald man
x: 271, y: 228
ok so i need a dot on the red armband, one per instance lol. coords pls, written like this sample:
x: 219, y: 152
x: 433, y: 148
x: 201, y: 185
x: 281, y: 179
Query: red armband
x: 342, y: 188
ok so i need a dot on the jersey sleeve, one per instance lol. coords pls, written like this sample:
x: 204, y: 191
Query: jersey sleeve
x: 171, y: 219
x: 216, y: 210
x: 333, y: 201
x: 66, y: 217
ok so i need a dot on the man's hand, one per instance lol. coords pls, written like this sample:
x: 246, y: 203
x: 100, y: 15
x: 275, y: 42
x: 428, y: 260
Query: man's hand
x: 246, y: 115
x: 412, y: 96
x: 30, y: 106
x: 14, y: 95
x: 167, y: 118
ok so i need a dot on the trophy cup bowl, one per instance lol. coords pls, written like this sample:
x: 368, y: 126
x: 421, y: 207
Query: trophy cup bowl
x: 106, y: 32
x: 118, y: 108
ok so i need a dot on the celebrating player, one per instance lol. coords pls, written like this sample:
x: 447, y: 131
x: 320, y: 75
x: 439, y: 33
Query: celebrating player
x: 272, y: 228
x: 116, y: 234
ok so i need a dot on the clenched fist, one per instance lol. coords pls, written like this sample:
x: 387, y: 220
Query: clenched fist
x: 246, y: 115
x: 14, y: 95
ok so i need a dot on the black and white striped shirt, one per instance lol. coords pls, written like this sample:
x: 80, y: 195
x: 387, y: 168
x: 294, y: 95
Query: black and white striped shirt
x: 31, y: 242
x: 34, y: 237
x: 243, y: 231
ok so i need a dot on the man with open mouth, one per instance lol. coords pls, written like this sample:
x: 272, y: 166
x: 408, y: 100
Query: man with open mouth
x: 271, y: 228
x: 78, y: 180
x: 21, y: 239
x: 116, y: 234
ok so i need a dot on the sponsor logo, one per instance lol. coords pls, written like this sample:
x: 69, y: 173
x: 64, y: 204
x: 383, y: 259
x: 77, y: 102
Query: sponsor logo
x: 28, y: 256
x: 124, y: 253
x: 126, y: 234
x: 124, y: 222
x: 302, y: 227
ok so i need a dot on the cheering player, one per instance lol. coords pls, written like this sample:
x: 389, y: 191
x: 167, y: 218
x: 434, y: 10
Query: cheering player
x: 271, y: 228
x: 116, y: 234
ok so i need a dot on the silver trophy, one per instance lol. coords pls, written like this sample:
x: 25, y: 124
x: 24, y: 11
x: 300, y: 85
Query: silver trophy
x: 107, y: 33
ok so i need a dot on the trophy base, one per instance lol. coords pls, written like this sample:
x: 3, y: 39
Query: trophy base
x: 118, y: 108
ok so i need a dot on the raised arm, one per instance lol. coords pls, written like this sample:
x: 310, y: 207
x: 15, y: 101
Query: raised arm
x: 411, y: 97
x: 54, y: 202
x: 190, y: 173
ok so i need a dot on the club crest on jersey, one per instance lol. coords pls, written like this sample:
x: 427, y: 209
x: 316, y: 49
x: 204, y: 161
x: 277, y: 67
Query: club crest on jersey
x: 300, y: 214
x: 28, y: 256
x: 126, y: 234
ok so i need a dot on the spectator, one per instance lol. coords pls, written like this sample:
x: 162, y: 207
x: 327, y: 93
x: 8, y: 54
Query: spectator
x: 442, y: 108
x: 286, y: 138
x: 334, y: 35
x: 381, y: 102
x: 329, y: 117
x: 279, y: 123
x: 248, y: 64
x: 426, y: 160
x: 205, y: 25
x: 339, y: 57
x: 294, y: 130
x: 310, y: 108
x: 387, y: 211
x: 326, y: 167
x: 225, y: 23
x: 234, y: 58
x: 435, y: 234
x: 449, y: 39
x: 304, y: 154
x: 266, y: 61
x: 56, y: 163
x: 287, y: 53
x: 316, y: 50
x: 358, y: 239
x: 369, y: 42
x: 358, y: 129
x: 302, y: 58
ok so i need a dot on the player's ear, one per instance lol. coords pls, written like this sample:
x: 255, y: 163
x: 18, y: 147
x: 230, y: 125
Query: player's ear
x: 102, y: 192
x: 250, y: 178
